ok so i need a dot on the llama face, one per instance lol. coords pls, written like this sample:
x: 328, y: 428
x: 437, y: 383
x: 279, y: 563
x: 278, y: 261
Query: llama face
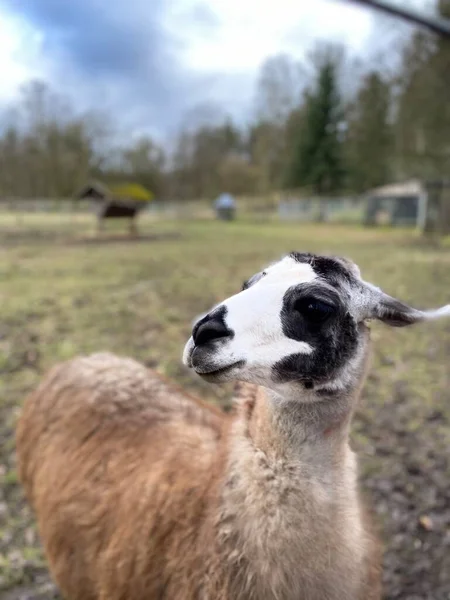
x: 291, y: 322
x: 300, y: 322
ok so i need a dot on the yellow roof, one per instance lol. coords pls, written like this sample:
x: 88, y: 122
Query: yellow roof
x: 134, y: 191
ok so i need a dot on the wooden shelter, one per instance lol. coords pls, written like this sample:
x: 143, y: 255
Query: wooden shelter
x: 396, y: 204
x: 120, y: 201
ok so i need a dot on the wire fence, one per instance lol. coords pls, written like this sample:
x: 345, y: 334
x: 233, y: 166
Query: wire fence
x: 413, y: 204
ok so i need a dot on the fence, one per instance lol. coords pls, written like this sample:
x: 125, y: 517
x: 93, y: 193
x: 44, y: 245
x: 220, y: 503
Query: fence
x: 254, y: 208
x: 342, y: 209
x: 248, y: 207
x: 269, y: 207
x: 291, y: 206
x: 37, y: 205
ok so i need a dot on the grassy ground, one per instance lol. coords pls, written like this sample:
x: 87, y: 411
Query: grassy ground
x: 64, y: 293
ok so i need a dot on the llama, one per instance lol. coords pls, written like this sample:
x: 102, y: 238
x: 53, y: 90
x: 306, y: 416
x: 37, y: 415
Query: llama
x: 142, y: 492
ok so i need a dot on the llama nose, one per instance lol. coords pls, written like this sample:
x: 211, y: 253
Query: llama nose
x: 210, y: 328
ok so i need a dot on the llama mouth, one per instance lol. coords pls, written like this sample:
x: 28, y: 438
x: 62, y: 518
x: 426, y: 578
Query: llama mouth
x: 218, y: 372
x: 188, y: 352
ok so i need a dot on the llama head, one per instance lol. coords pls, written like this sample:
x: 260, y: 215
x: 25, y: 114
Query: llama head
x: 299, y: 322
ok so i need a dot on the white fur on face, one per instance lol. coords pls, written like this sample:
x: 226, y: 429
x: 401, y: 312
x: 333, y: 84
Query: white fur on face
x: 254, y: 316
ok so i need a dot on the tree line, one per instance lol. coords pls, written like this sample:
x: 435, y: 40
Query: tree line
x: 325, y: 125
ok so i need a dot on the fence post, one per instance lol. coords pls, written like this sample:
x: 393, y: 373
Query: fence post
x: 422, y: 210
x: 437, y: 215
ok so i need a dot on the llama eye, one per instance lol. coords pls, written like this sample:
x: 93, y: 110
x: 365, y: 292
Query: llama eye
x: 315, y: 311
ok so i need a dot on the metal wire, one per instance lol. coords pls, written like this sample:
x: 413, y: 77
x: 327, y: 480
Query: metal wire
x: 438, y: 25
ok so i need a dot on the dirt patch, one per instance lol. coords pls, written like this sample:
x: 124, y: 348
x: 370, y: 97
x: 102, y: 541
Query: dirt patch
x: 43, y: 589
x: 408, y: 483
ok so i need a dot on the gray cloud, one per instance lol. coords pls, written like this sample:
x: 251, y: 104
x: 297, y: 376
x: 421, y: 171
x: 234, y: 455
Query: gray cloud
x: 119, y: 56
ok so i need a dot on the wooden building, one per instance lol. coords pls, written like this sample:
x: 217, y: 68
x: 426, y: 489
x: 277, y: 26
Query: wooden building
x: 397, y: 204
x: 120, y: 201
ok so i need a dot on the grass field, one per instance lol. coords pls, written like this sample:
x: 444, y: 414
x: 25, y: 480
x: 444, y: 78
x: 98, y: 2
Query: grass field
x: 63, y: 293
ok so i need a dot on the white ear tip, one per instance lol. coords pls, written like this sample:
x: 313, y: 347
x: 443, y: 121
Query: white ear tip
x: 439, y: 312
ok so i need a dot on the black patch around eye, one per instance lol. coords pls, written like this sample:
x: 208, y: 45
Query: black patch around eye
x: 333, y: 341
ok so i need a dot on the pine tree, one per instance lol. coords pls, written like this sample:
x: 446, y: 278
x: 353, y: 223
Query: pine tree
x: 369, y: 135
x: 317, y: 157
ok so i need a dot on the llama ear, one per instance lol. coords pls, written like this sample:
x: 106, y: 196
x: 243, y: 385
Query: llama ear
x: 397, y: 314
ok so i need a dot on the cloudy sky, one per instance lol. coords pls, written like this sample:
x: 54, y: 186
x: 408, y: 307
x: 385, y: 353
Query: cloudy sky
x: 150, y: 61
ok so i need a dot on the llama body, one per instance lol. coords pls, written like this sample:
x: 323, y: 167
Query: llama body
x: 229, y: 511
x: 143, y: 493
x: 118, y: 507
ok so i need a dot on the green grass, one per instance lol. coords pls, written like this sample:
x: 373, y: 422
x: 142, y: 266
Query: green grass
x: 60, y: 297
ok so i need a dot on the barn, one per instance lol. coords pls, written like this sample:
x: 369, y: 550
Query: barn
x: 397, y: 204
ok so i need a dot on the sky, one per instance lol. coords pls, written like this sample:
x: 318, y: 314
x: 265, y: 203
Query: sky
x: 151, y: 62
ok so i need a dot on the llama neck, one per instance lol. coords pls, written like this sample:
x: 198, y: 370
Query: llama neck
x: 312, y: 431
x: 288, y: 480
